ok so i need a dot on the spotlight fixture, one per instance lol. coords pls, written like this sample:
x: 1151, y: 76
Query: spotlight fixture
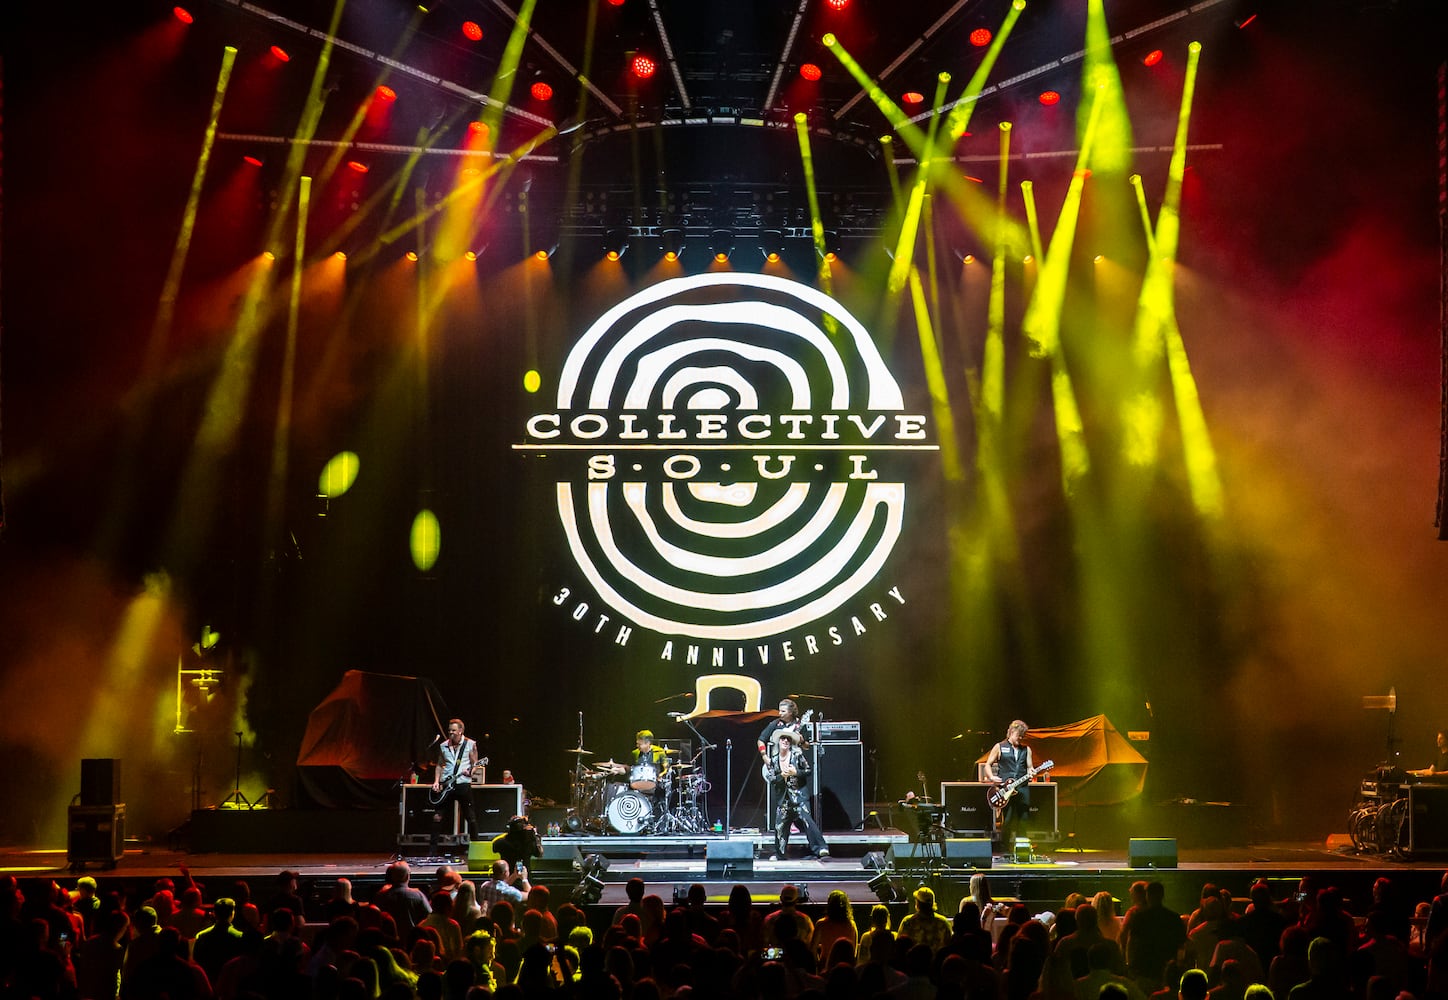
x: 884, y: 887
x: 721, y: 244
x: 1050, y: 97
x: 615, y: 243
x: 980, y: 37
x: 1153, y: 57
x: 386, y: 93
x: 771, y: 244
x: 280, y: 54
x: 473, y: 31
x: 837, y: 4
x: 183, y: 15
x: 912, y: 97
x: 673, y: 243
x: 543, y: 253
x: 642, y: 66
x: 810, y: 72
x: 830, y: 250
x: 541, y: 91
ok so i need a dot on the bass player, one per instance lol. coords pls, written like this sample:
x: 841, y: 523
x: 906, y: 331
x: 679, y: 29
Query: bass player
x: 786, y: 767
x: 1008, y: 761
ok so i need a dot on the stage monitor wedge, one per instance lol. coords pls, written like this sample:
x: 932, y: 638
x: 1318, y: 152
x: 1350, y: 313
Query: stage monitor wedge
x: 729, y: 858
x: 1151, y: 852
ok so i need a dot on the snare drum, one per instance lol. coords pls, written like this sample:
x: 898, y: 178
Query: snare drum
x: 629, y: 812
x: 643, y: 776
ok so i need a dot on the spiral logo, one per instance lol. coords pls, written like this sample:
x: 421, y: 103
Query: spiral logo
x: 731, y: 452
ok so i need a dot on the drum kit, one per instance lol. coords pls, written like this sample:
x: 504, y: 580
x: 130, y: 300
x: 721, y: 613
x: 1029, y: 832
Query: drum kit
x: 638, y: 798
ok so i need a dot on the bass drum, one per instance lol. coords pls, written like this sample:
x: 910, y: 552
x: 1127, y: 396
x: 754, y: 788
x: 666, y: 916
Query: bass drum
x: 629, y: 812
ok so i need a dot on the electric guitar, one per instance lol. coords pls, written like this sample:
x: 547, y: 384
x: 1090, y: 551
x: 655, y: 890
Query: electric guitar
x: 1001, y: 794
x: 784, y: 741
x: 447, y: 781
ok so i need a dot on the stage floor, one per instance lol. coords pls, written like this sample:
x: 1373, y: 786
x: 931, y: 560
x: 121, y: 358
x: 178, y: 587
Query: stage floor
x: 669, y: 868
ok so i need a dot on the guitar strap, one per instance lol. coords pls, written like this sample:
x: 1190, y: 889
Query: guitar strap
x: 462, y: 751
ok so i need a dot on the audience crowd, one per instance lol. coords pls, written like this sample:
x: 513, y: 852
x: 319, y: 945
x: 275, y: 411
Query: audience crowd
x: 454, y: 940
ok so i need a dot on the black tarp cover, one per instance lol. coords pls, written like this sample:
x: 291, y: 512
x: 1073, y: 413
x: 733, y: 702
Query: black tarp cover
x: 364, y: 736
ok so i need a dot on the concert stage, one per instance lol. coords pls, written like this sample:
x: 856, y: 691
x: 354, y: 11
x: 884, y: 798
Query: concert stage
x: 668, y: 865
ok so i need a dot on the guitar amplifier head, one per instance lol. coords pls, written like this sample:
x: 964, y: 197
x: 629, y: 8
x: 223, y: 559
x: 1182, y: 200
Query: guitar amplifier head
x: 838, y: 732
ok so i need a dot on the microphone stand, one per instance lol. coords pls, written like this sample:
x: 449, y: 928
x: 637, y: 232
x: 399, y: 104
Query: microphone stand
x: 728, y: 785
x: 704, y: 747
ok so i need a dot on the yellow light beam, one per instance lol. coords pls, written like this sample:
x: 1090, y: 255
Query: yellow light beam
x: 114, y: 526
x: 935, y: 380
x: 1042, y: 322
x: 817, y: 226
x: 281, y: 432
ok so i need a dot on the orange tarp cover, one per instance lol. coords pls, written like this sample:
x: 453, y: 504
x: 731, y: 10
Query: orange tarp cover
x: 1095, y: 764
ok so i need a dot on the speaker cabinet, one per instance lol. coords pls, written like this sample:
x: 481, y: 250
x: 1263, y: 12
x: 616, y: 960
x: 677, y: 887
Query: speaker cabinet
x: 842, y: 786
x: 1427, y: 819
x: 100, y: 781
x: 966, y: 811
x: 417, y: 812
x: 494, y: 805
x: 968, y: 852
x: 731, y: 859
x: 96, y: 834
x: 955, y: 853
x: 1151, y: 852
x: 558, y: 859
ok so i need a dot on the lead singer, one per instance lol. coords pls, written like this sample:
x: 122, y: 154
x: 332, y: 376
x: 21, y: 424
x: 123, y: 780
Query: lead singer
x: 787, y: 768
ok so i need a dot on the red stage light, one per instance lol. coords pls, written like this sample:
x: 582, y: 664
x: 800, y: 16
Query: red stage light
x: 838, y: 4
x: 615, y: 3
x: 280, y: 54
x: 980, y: 37
x: 1050, y: 97
x: 473, y: 30
x: 1152, y: 58
x: 252, y: 160
x: 411, y: 255
x: 541, y: 91
x: 912, y: 97
x: 386, y: 93
x: 183, y: 15
x: 643, y: 66
x: 810, y: 72
x: 477, y: 128
x: 357, y: 166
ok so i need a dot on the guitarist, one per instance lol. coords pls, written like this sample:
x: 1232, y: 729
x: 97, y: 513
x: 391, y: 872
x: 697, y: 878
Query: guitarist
x: 786, y: 766
x: 457, y: 758
x: 1008, y: 760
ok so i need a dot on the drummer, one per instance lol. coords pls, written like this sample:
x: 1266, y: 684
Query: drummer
x: 650, y: 764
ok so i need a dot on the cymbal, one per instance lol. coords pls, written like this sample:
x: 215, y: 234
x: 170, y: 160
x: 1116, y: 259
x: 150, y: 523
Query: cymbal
x: 922, y: 803
x: 579, y: 750
x: 669, y: 749
x: 682, y: 767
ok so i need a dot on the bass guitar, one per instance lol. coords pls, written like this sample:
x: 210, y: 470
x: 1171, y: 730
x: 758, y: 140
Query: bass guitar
x: 784, y: 741
x: 1001, y: 794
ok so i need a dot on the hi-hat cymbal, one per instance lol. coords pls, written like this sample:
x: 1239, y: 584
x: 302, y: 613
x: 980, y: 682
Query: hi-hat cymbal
x: 682, y: 767
x: 669, y: 749
x: 579, y: 750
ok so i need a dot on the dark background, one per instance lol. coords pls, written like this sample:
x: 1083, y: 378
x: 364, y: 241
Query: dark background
x: 1308, y: 296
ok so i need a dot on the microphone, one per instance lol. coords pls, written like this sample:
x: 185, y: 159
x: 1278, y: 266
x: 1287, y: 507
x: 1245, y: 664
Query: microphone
x: 436, y: 740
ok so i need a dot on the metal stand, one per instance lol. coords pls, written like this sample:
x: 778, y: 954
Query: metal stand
x: 1073, y: 843
x: 236, y: 800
